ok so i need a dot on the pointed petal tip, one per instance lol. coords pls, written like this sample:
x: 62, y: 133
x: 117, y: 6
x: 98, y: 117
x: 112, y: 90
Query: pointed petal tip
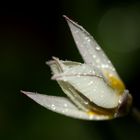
x: 64, y: 16
x: 27, y: 93
x: 55, y: 58
x: 69, y: 20
x: 22, y: 91
x: 56, y: 76
x: 49, y: 62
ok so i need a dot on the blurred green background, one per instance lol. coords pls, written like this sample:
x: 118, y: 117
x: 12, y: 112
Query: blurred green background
x: 31, y: 33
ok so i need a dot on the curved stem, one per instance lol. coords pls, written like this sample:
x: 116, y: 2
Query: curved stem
x: 136, y: 113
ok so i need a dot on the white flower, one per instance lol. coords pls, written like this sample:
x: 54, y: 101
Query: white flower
x: 94, y: 89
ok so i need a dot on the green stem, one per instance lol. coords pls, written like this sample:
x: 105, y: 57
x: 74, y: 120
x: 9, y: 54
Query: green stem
x: 136, y: 114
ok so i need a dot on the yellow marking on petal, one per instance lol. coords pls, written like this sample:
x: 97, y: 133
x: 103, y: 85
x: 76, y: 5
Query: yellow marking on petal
x: 91, y: 114
x: 115, y: 82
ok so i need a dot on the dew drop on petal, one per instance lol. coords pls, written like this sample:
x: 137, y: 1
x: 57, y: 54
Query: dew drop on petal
x: 94, y: 56
x: 97, y: 48
x: 90, y: 83
x: 65, y: 105
x: 97, y: 61
x: 53, y: 107
x: 86, y: 103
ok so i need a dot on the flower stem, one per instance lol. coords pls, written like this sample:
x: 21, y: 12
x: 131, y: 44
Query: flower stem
x: 136, y: 114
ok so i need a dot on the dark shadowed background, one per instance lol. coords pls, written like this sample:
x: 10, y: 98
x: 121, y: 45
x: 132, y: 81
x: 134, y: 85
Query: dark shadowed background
x: 31, y: 33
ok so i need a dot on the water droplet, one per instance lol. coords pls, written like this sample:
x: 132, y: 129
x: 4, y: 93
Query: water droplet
x: 94, y: 56
x: 78, y: 76
x: 65, y: 105
x: 86, y: 103
x: 120, y: 101
x: 105, y: 66
x: 76, y: 31
x: 94, y: 90
x: 97, y: 60
x: 87, y: 39
x: 85, y: 74
x: 102, y: 96
x: 90, y: 83
x: 97, y: 48
x: 113, y: 69
x: 109, y: 62
x: 53, y: 107
x: 80, y: 115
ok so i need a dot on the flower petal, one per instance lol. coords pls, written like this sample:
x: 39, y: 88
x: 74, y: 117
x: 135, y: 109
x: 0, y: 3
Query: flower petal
x: 58, y: 66
x: 63, y: 106
x: 89, y: 49
x: 91, y: 86
x: 85, y: 79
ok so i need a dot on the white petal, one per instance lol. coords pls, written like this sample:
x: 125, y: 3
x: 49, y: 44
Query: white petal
x: 63, y: 106
x: 89, y: 49
x: 79, y: 70
x: 91, y: 86
x: 58, y: 66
